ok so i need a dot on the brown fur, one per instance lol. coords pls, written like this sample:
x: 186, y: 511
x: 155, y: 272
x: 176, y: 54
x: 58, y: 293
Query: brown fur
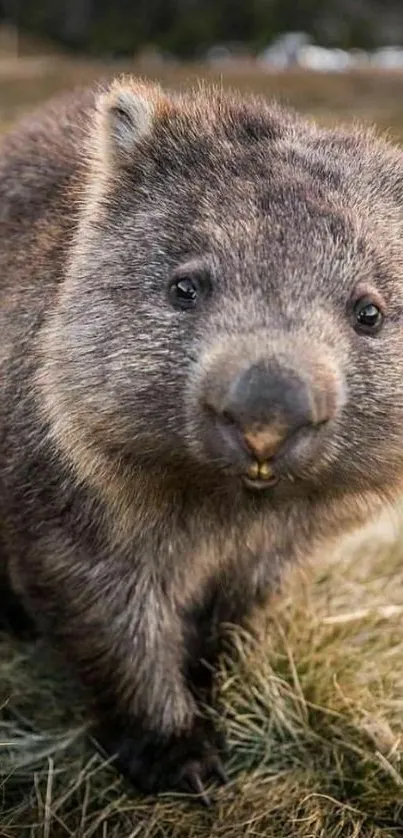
x: 126, y: 539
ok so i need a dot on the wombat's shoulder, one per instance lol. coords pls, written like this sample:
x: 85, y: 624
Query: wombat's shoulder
x: 42, y: 151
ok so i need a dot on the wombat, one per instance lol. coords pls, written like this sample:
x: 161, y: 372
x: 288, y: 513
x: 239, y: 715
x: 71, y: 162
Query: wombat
x: 201, y: 382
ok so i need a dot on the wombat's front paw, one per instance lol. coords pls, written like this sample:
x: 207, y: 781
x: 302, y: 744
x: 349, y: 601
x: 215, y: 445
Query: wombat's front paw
x: 156, y: 763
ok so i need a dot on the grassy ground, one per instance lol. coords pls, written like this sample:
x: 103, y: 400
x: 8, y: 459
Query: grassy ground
x: 313, y: 712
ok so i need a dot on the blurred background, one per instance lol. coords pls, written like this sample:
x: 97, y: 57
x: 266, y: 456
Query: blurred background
x: 320, y: 34
x: 333, y: 58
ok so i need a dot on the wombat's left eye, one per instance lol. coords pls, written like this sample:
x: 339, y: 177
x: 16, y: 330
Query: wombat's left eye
x: 368, y: 316
x: 185, y: 290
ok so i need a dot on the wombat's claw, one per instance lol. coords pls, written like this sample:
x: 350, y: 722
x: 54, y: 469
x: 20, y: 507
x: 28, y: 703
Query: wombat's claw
x: 154, y: 763
x: 218, y: 771
x: 194, y: 773
x: 193, y: 780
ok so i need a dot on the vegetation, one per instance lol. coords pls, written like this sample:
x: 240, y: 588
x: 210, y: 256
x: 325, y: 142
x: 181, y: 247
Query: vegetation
x: 313, y: 712
x: 187, y: 26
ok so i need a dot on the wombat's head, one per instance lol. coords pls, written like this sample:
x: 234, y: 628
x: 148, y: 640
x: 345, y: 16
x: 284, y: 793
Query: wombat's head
x: 234, y: 296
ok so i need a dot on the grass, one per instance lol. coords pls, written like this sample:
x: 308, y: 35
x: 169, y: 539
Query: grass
x: 313, y: 710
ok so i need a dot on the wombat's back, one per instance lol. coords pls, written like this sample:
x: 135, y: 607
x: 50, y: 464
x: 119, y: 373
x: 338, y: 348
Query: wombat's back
x: 38, y: 160
x: 39, y: 155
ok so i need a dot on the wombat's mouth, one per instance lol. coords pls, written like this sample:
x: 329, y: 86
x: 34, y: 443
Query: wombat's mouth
x: 297, y: 456
x: 260, y: 476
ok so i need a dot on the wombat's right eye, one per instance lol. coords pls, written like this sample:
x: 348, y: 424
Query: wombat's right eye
x: 186, y: 290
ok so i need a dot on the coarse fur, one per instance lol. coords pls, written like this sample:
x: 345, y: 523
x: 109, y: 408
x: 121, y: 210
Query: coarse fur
x: 127, y: 538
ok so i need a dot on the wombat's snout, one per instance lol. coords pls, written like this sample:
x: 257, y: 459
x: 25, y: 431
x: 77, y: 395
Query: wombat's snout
x: 267, y: 417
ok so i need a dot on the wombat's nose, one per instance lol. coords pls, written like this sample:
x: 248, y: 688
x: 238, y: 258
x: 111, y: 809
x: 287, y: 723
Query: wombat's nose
x: 268, y: 405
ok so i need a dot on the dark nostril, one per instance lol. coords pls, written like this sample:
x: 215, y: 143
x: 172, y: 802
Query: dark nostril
x: 320, y: 422
x: 228, y: 418
x: 227, y: 429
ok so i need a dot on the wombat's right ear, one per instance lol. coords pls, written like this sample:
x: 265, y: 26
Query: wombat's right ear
x: 125, y: 117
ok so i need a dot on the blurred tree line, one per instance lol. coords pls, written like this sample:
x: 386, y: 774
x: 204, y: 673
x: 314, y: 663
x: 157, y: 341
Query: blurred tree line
x: 187, y: 27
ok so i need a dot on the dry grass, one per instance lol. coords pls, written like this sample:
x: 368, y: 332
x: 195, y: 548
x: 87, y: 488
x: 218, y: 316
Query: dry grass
x: 313, y: 713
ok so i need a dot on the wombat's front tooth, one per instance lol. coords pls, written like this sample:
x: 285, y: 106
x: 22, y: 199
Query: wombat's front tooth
x: 253, y: 470
x: 265, y: 471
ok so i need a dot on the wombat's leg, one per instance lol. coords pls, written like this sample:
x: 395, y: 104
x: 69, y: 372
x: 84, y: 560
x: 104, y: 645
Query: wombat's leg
x: 203, y: 642
x: 13, y: 617
x: 116, y: 627
x: 206, y: 631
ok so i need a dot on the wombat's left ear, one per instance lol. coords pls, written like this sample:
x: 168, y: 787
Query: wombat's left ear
x: 125, y: 117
